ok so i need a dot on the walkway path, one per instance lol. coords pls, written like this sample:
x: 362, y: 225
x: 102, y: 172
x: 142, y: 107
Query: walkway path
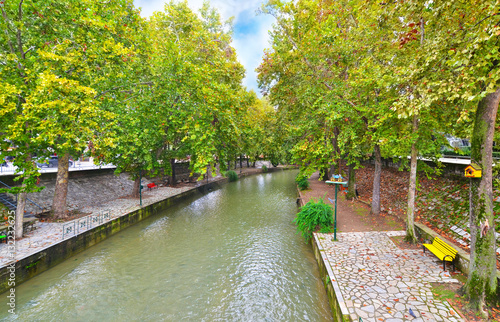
x: 377, y: 281
x: 373, y: 278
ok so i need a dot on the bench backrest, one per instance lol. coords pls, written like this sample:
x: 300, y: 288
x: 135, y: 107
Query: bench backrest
x: 444, y: 247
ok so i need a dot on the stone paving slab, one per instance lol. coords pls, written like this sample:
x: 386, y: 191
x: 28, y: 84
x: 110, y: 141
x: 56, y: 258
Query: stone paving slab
x: 378, y: 281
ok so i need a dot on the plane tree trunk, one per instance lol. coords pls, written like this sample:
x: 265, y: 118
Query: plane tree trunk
x: 136, y: 187
x: 481, y: 283
x: 59, y: 207
x: 376, y: 181
x: 351, y: 189
x: 412, y: 190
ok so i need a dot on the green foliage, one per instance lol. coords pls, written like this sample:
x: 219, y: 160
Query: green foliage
x: 316, y: 214
x: 233, y: 176
x: 264, y: 168
x: 301, y: 181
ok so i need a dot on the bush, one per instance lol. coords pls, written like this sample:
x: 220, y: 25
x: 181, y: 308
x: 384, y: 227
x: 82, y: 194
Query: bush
x: 302, y: 182
x: 264, y: 168
x: 232, y: 176
x: 316, y: 214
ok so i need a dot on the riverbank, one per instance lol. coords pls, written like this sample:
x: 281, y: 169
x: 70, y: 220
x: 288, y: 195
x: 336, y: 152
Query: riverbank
x: 367, y: 275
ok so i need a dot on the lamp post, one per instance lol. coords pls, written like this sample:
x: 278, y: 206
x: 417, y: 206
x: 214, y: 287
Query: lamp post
x: 140, y: 188
x: 337, y: 180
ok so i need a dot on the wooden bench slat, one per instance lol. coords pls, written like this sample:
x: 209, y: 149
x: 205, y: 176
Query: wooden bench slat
x: 444, y: 249
x: 441, y: 244
x: 439, y: 254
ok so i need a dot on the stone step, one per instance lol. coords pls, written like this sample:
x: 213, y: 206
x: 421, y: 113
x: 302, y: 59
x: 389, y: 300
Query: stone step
x: 7, y: 201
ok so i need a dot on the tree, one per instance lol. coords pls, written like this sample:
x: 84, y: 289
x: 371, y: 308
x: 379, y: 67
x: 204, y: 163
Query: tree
x: 482, y: 280
x: 192, y: 99
x: 463, y: 53
x: 58, y: 56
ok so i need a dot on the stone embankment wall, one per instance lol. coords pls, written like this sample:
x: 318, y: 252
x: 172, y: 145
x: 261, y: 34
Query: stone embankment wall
x: 85, y: 189
x: 90, y: 189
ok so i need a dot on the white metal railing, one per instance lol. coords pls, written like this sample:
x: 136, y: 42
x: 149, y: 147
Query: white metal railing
x: 79, y: 225
x: 77, y: 166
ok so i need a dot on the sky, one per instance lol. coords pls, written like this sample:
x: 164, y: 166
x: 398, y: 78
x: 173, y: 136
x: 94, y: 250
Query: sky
x: 250, y: 36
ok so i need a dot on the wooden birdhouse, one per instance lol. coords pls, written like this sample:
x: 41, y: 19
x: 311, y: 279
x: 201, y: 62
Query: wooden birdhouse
x: 473, y: 171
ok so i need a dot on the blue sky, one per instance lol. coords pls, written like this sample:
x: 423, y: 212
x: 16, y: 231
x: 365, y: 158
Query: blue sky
x: 250, y: 30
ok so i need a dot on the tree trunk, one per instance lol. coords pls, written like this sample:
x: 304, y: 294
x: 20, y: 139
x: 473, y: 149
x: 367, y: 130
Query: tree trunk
x: 228, y: 165
x: 248, y: 162
x: 217, y: 169
x: 253, y: 164
x: 376, y: 181
x: 235, y: 162
x: 412, y: 189
x: 137, y: 186
x: 59, y: 207
x: 21, y: 204
x: 410, y: 212
x: 332, y: 169
x: 351, y: 189
x: 323, y: 173
x: 172, y: 165
x: 481, y: 283
x: 336, y: 148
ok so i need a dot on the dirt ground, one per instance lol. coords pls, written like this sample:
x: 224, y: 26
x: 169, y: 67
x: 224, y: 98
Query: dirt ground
x: 351, y: 215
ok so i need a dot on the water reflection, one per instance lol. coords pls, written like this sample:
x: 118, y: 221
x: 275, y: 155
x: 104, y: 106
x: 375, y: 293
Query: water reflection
x: 232, y: 254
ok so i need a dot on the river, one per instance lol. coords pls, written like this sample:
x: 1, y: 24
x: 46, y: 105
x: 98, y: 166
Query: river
x: 231, y: 255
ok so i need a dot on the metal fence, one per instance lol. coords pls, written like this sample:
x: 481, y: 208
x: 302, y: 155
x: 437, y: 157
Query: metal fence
x: 7, y: 169
x: 80, y: 225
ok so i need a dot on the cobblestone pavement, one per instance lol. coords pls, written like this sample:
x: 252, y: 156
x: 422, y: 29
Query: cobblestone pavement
x: 378, y: 281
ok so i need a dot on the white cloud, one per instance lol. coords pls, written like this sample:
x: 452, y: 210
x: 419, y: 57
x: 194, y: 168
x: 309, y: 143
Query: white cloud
x: 250, y: 31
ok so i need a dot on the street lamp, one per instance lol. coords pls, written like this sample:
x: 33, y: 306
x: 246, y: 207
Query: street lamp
x: 336, y: 181
x: 140, y: 188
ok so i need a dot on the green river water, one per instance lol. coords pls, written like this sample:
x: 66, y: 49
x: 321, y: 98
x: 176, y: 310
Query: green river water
x: 231, y: 255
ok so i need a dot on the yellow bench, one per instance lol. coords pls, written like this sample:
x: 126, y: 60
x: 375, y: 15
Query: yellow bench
x: 442, y: 250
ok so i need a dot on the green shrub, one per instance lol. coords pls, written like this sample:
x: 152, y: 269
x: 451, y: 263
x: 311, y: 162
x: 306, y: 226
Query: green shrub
x: 302, y: 182
x: 232, y: 176
x: 316, y: 214
x: 264, y: 168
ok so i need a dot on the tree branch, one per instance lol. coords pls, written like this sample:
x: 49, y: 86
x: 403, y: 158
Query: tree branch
x: 18, y: 34
x: 4, y: 15
x: 118, y: 87
x: 308, y: 63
